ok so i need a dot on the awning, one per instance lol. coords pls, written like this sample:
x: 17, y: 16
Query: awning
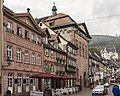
x: 45, y: 75
x: 68, y: 77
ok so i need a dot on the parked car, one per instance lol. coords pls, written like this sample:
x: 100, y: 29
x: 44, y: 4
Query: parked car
x: 65, y: 91
x: 74, y: 91
x: 106, y: 85
x: 99, y: 90
x: 70, y: 90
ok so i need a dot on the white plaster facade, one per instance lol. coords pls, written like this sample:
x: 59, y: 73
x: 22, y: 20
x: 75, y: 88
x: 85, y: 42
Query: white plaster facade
x: 107, y: 54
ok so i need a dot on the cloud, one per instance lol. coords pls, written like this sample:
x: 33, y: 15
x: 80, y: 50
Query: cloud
x: 105, y: 7
x: 78, y: 10
x: 105, y: 26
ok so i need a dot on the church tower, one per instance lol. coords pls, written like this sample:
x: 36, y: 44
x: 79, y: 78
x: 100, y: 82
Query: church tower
x: 54, y: 9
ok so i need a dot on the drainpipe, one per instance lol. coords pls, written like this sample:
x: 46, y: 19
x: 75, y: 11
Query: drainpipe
x: 1, y: 43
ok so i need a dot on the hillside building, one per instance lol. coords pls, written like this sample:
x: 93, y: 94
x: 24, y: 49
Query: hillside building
x: 109, y: 53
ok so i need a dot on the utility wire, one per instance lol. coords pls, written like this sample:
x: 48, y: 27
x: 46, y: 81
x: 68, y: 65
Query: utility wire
x: 105, y: 17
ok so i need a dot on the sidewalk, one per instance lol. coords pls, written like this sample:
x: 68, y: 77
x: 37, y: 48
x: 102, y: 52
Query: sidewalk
x: 84, y: 92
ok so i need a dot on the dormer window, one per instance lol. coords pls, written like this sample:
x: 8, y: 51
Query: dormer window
x: 56, y: 45
x: 40, y: 24
x: 45, y: 40
x: 51, y: 23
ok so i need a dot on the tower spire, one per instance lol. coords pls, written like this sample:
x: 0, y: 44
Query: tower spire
x: 54, y: 9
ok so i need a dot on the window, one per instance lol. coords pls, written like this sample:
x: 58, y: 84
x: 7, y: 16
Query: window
x: 33, y: 81
x: 26, y: 35
x: 63, y: 32
x: 27, y: 79
x: 39, y: 40
x: 9, y: 52
x: 39, y: 60
x: 40, y: 24
x: 18, y: 55
x: 26, y: 57
x: 55, y: 44
x: 51, y: 23
x: 10, y: 80
x: 19, y: 31
x: 64, y: 47
x: 10, y: 27
x: 19, y: 80
x: 33, y: 39
x: 33, y: 58
x: 45, y: 40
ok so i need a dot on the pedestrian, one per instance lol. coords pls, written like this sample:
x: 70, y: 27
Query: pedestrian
x: 47, y: 92
x: 116, y: 90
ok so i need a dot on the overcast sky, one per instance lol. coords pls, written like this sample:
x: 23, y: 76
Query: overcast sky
x: 79, y: 10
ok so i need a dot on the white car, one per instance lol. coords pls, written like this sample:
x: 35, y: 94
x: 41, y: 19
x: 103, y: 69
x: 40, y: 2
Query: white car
x: 99, y: 90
